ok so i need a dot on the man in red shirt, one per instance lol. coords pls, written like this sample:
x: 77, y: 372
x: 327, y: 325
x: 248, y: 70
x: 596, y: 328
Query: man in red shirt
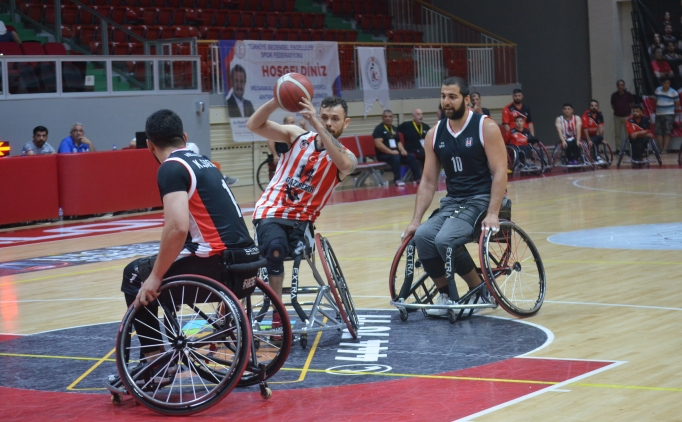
x: 638, y: 127
x: 593, y: 129
x: 660, y: 67
x: 521, y: 138
x: 517, y: 108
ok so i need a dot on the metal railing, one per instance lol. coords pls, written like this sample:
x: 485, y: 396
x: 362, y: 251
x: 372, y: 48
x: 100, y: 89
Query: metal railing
x: 79, y: 76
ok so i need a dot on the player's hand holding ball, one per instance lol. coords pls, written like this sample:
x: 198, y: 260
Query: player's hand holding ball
x: 291, y: 89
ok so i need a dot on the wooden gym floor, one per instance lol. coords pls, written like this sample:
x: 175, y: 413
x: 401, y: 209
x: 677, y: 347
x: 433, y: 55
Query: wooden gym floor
x: 620, y: 305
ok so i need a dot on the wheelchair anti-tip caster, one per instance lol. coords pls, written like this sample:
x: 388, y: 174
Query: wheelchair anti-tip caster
x: 116, y: 399
x: 265, y: 392
x: 403, y: 314
x: 304, y: 340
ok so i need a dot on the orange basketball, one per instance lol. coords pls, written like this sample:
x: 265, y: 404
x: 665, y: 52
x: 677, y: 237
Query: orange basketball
x: 289, y: 90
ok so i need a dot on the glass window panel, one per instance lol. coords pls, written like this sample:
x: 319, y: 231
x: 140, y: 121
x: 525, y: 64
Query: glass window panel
x: 178, y: 74
x: 84, y: 76
x: 32, y: 77
x: 133, y: 76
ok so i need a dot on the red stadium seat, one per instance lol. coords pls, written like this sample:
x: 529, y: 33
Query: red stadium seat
x: 317, y: 34
x: 118, y: 14
x: 54, y: 49
x: 247, y: 19
x: 32, y: 48
x: 386, y: 22
x: 88, y: 33
x: 318, y: 20
x: 254, y: 33
x: 85, y: 17
x: 268, y: 34
x: 264, y: 5
x: 217, y: 17
x: 305, y: 35
x: 241, y: 34
x: 164, y: 16
x: 227, y: 33
x: 309, y: 20
x: 147, y: 16
x: 153, y: 32
x: 67, y: 31
x: 282, y: 34
x: 296, y: 20
x: 289, y: 5
x: 259, y: 19
x: 274, y: 20
x: 48, y: 14
x: 69, y: 14
x: 116, y: 35
x: 278, y: 5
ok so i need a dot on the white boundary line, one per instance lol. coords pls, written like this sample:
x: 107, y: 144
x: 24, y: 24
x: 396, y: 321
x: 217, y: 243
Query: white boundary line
x: 613, y: 305
x: 544, y: 390
x: 578, y: 185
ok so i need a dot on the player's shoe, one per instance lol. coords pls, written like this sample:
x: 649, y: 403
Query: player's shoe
x: 443, y: 299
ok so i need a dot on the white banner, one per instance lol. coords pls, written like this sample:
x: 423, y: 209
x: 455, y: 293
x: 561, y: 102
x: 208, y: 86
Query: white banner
x: 374, y: 77
x: 251, y: 70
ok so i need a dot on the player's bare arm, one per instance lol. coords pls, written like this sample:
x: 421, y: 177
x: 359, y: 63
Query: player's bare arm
x: 531, y: 128
x: 428, y: 184
x: 259, y: 124
x: 560, y: 131
x: 173, y: 235
x: 578, y: 129
x: 344, y: 160
x: 497, y: 160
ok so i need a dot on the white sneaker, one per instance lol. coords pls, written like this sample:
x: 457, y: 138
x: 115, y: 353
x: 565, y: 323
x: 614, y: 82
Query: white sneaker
x: 399, y: 183
x: 443, y: 299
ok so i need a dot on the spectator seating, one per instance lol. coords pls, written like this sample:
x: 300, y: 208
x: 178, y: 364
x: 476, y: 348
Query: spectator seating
x: 365, y: 167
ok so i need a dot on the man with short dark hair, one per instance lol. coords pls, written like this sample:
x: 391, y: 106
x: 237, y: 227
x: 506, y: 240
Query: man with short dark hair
x: 237, y: 105
x: 476, y: 106
x: 470, y: 149
x: 414, y: 132
x: 203, y: 230
x: 76, y: 141
x: 569, y: 129
x: 639, y: 132
x: 593, y: 128
x: 621, y: 103
x: 517, y: 108
x: 660, y: 67
x: 39, y: 144
x: 391, y: 151
x: 667, y: 102
x: 521, y: 138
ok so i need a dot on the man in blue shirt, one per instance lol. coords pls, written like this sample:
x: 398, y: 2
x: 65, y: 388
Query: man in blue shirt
x: 76, y: 141
x: 39, y: 144
x: 667, y: 101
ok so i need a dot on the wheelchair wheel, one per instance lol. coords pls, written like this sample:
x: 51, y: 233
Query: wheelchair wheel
x: 202, y: 351
x: 545, y: 157
x: 266, y: 170
x: 271, y: 345
x: 513, y: 270
x: 512, y: 159
x: 408, y: 280
x: 654, y: 148
x: 337, y: 284
x: 604, y: 153
x: 586, y: 156
x: 557, y: 156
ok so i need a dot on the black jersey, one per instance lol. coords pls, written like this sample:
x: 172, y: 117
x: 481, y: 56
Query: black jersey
x: 462, y: 155
x: 216, y: 222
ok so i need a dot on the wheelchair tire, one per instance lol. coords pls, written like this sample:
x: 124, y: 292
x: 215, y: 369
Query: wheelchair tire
x: 187, y: 376
x: 604, y: 150
x: 267, y: 351
x: 586, y: 156
x: 421, y: 289
x: 654, y: 148
x: 264, y: 173
x: 517, y: 282
x: 337, y: 284
x: 556, y: 155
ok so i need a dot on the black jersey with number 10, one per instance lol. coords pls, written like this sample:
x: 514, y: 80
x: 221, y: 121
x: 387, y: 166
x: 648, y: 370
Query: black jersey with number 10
x: 463, y: 158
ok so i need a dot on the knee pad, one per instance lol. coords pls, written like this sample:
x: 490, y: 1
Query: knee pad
x: 458, y: 261
x: 275, y: 252
x: 434, y: 267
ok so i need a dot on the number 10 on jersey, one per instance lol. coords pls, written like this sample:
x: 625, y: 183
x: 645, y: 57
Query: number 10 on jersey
x: 457, y: 164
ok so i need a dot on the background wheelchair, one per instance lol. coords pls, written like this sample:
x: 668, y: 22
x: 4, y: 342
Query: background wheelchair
x: 509, y: 263
x: 646, y: 160
x: 211, y: 341
x: 536, y: 163
x: 584, y: 162
x: 327, y: 305
x: 601, y: 154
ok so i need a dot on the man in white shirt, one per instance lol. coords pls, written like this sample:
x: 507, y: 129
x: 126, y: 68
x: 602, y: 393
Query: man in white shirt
x: 667, y: 101
x: 237, y: 105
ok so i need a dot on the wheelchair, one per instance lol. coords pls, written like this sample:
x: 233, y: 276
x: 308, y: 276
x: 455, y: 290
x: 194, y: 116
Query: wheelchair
x: 211, y: 341
x: 328, y: 305
x: 560, y: 160
x: 510, y: 266
x: 537, y: 163
x: 646, y: 160
x: 601, y: 154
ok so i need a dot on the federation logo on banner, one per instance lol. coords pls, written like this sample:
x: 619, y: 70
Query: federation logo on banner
x: 240, y: 49
x: 373, y: 73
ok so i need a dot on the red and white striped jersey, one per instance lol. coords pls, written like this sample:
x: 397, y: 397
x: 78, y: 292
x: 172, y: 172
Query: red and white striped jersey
x: 303, y: 183
x: 568, y: 127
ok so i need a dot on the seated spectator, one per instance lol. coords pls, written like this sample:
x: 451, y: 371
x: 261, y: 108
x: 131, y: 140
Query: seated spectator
x: 638, y: 127
x: 569, y: 129
x: 391, y: 151
x: 39, y: 144
x: 668, y: 35
x: 7, y: 35
x: 517, y: 108
x: 667, y: 101
x: 593, y: 129
x: 666, y: 20
x: 476, y: 104
x: 76, y: 141
x: 674, y: 61
x: 660, y: 67
x: 522, y: 138
x: 655, y: 44
x: 414, y: 132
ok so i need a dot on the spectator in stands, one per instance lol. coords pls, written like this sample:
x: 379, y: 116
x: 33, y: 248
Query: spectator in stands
x: 391, y: 151
x: 593, y: 129
x: 7, y: 35
x: 414, y: 132
x: 673, y: 60
x: 667, y: 101
x: 476, y: 104
x: 237, y: 105
x: 621, y: 103
x: 521, y: 137
x: 655, y: 44
x: 638, y: 127
x: 517, y: 108
x: 660, y: 67
x: 569, y: 129
x: 668, y: 35
x: 39, y: 144
x: 76, y: 141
